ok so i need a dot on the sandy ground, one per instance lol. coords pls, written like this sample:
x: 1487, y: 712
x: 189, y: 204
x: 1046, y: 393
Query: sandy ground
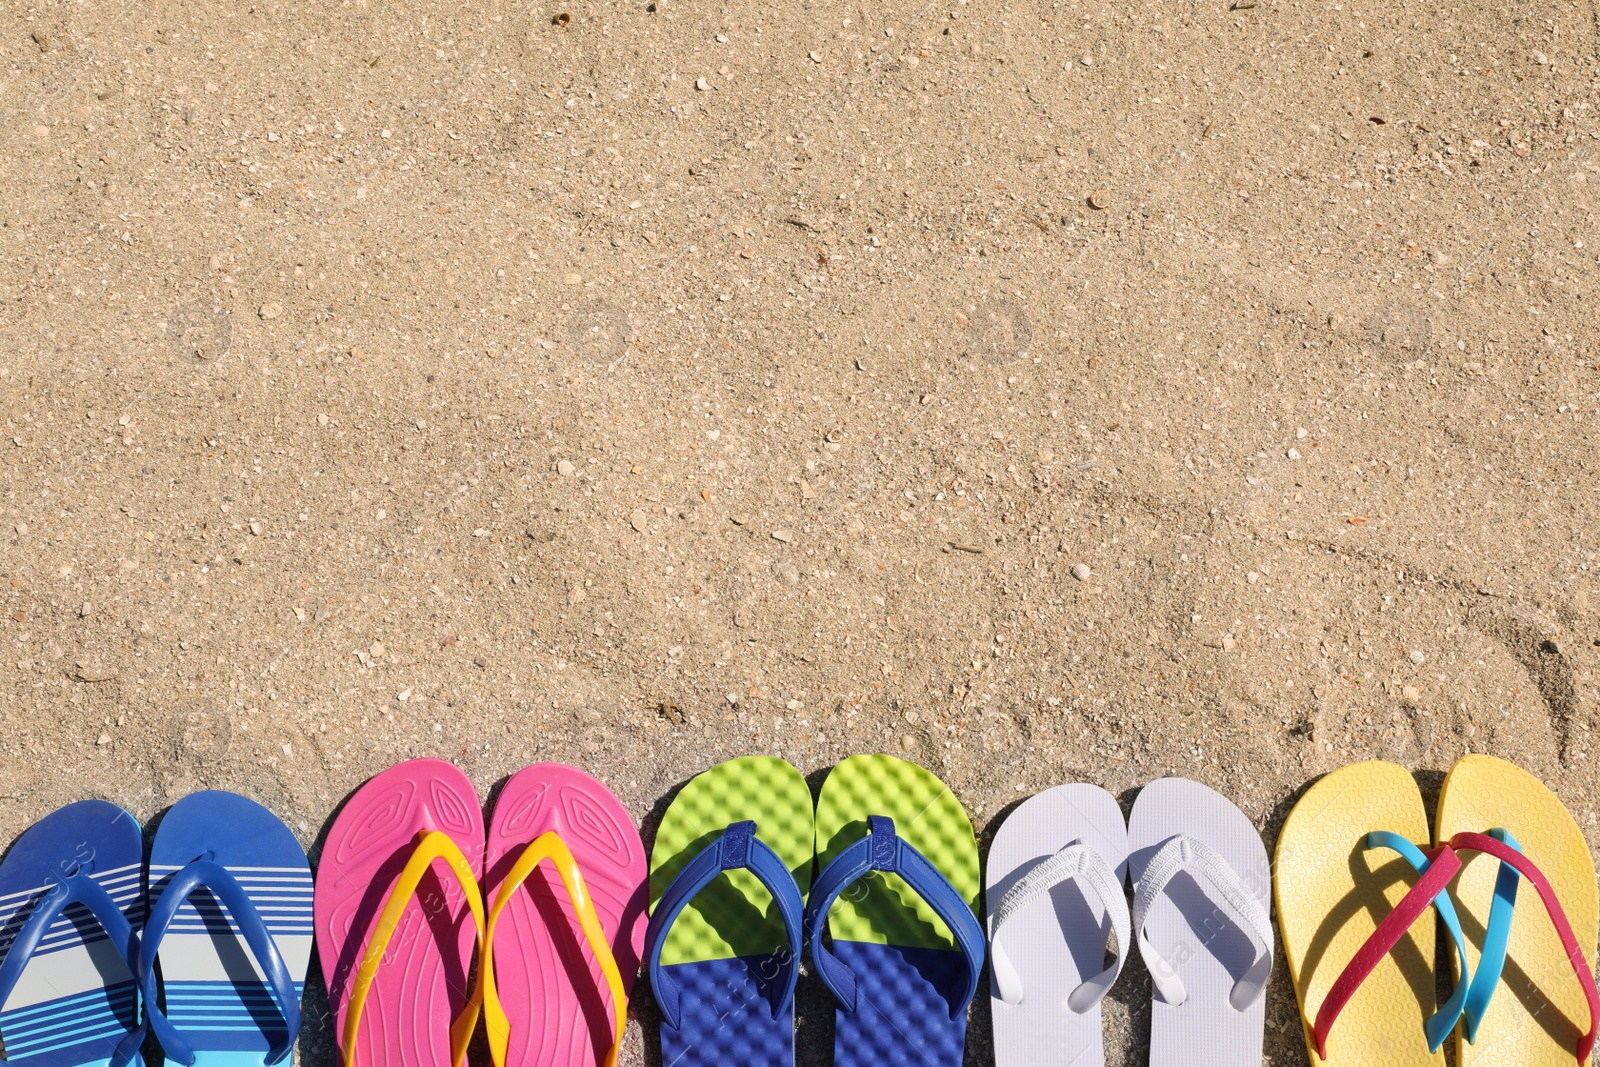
x: 1047, y: 391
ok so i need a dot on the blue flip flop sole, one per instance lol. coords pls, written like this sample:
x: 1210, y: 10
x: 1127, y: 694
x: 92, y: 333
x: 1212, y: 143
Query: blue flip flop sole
x: 727, y: 1014
x: 914, y: 1027
x: 75, y: 999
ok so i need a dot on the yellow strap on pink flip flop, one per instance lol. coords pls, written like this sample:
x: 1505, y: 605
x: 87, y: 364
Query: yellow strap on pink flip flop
x: 549, y: 846
x: 431, y: 845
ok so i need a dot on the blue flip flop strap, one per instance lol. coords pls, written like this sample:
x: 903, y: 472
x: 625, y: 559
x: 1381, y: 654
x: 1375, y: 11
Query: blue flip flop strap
x: 1492, y: 959
x: 736, y: 848
x: 79, y: 888
x: 1439, y: 1025
x: 209, y: 874
x: 884, y: 850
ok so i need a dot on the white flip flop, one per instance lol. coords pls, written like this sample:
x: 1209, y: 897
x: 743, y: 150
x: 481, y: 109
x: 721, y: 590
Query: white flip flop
x: 1202, y: 917
x: 1054, y: 894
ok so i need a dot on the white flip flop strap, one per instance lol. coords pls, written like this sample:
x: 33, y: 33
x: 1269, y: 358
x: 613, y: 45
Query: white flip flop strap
x: 1207, y: 866
x: 1075, y: 861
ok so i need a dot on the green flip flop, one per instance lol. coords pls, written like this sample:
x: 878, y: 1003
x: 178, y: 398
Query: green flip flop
x: 898, y: 890
x: 728, y: 876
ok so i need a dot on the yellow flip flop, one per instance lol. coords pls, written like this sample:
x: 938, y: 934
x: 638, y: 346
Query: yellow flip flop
x: 1540, y: 1014
x: 1332, y: 892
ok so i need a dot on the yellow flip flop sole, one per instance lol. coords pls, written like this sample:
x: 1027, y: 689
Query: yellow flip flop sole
x: 1539, y: 1011
x: 1331, y: 893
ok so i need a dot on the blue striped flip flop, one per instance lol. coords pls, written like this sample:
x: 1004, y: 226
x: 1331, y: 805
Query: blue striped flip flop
x: 230, y: 924
x: 71, y: 902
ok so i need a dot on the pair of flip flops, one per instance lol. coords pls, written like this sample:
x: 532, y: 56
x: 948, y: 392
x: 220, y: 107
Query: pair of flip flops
x: 735, y: 907
x: 401, y: 897
x: 1355, y: 871
x: 1202, y: 890
x: 226, y: 913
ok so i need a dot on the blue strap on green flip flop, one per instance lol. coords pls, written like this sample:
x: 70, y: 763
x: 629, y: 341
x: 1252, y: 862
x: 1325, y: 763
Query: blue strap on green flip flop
x: 898, y: 898
x: 1474, y: 989
x: 884, y: 850
x: 729, y: 870
x: 737, y: 849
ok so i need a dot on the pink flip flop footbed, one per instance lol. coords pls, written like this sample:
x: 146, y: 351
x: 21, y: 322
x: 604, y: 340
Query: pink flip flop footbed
x: 555, y: 992
x: 424, y: 980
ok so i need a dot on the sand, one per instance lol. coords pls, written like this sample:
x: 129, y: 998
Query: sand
x: 1044, y: 392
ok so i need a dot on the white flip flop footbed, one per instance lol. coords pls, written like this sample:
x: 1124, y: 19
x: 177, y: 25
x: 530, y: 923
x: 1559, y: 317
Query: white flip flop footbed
x: 1045, y: 950
x: 1194, y: 937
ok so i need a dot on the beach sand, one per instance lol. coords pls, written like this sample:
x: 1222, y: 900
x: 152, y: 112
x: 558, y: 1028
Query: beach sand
x: 1043, y: 392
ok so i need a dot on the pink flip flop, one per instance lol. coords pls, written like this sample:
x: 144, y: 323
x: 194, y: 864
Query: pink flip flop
x: 567, y: 881
x: 398, y: 912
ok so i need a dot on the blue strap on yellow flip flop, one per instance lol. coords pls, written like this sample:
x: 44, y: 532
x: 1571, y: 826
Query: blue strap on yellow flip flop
x: 1492, y: 960
x: 1474, y: 989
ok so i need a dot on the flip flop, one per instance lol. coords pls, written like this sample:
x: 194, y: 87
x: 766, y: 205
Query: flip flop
x: 1202, y: 919
x: 1054, y: 896
x: 230, y: 924
x: 1539, y: 1017
x: 567, y: 874
x: 728, y: 874
x: 1335, y: 889
x: 398, y: 912
x: 71, y: 900
x: 897, y: 890
x: 1376, y: 932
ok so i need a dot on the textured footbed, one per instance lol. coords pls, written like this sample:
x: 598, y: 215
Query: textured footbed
x: 1209, y: 951
x: 1538, y: 1012
x: 909, y: 973
x: 728, y: 946
x: 1056, y: 945
x: 75, y: 999
x: 727, y: 1018
x: 212, y: 989
x: 552, y: 988
x: 733, y: 916
x: 926, y: 814
x: 425, y: 978
x: 1331, y: 894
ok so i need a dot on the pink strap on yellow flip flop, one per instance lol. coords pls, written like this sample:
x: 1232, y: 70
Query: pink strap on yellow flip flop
x: 1442, y: 866
x: 550, y: 846
x: 1444, y: 863
x: 1558, y: 918
x: 431, y: 845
